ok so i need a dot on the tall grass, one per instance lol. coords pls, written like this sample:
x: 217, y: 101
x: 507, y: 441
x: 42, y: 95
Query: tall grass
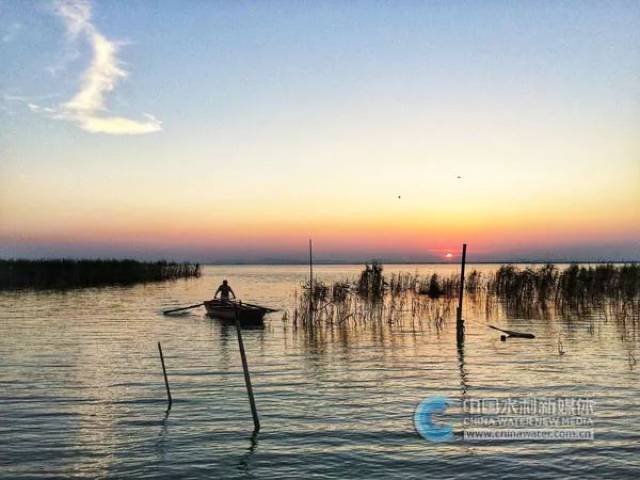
x: 89, y: 273
x: 534, y: 292
x: 573, y: 285
x: 371, y: 281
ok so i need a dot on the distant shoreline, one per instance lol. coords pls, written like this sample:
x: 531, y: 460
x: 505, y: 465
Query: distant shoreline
x: 276, y: 263
x: 384, y: 262
x: 69, y: 273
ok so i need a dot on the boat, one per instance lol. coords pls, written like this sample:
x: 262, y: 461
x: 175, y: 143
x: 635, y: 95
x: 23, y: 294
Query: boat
x: 226, y: 310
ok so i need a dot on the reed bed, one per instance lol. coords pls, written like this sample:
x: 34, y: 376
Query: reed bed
x: 89, y: 273
x: 370, y: 300
x: 573, y: 285
x: 410, y: 300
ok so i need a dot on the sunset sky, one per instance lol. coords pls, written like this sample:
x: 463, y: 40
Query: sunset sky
x: 227, y: 131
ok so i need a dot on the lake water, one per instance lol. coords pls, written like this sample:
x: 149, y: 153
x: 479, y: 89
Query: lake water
x: 82, y: 392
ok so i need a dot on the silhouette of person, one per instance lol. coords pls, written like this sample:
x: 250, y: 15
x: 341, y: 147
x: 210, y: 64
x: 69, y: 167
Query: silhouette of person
x: 224, y: 290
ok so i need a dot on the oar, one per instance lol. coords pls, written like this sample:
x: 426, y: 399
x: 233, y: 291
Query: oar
x: 266, y: 309
x: 511, y: 333
x: 182, y: 308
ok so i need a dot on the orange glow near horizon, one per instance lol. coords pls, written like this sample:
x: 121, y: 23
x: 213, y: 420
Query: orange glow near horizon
x: 276, y: 222
x: 279, y: 237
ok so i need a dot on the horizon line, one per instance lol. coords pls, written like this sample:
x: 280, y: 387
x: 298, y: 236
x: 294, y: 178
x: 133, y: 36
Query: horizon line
x: 285, y: 262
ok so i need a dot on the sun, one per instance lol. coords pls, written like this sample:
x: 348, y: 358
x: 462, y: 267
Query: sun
x: 449, y: 255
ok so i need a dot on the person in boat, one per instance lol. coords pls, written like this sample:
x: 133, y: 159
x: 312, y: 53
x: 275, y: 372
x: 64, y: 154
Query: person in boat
x: 224, y: 290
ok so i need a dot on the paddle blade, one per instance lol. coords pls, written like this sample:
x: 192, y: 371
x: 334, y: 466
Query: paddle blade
x: 167, y: 312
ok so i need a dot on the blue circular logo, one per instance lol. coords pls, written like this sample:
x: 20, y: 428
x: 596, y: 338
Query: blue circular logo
x: 423, y: 420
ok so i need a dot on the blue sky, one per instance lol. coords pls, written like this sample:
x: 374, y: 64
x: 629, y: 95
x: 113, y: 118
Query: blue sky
x: 242, y: 128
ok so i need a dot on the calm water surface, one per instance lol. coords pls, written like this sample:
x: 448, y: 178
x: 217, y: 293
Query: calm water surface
x: 82, y: 394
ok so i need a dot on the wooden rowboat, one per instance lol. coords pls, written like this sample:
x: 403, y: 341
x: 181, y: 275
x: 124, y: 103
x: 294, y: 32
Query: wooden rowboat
x: 226, y: 310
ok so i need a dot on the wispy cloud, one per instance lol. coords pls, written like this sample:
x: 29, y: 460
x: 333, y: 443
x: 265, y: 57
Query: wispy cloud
x: 38, y: 109
x: 87, y: 107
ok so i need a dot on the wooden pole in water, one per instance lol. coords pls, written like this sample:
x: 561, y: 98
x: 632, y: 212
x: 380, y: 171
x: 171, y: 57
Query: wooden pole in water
x: 166, y: 381
x: 459, y: 319
x: 310, y: 278
x: 247, y: 378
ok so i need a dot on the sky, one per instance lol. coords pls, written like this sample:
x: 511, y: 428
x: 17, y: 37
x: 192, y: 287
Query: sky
x: 235, y: 131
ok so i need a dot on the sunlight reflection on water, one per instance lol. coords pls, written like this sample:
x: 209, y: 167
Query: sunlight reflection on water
x: 82, y: 392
